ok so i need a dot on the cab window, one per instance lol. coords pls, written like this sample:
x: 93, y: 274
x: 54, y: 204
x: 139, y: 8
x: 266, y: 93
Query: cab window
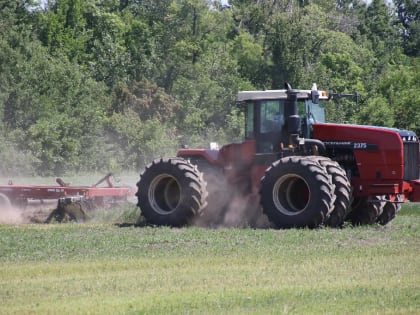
x: 317, y: 112
x: 249, y: 117
x: 271, y: 116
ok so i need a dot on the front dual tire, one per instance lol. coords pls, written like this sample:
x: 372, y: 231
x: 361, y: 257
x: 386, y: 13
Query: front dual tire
x: 297, y: 192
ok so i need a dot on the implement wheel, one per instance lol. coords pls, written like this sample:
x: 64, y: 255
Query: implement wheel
x: 296, y: 192
x: 366, y: 211
x: 171, y: 191
x: 390, y: 210
x: 70, y: 209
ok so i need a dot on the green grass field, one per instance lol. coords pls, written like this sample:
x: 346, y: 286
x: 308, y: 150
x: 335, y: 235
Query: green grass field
x: 104, y: 268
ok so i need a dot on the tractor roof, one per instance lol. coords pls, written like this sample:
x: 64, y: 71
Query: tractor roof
x: 276, y: 94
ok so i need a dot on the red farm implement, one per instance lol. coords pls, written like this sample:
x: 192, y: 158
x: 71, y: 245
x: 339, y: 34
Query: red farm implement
x: 102, y: 194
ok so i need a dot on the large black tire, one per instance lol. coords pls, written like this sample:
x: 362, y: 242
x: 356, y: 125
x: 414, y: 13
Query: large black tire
x: 171, y: 191
x: 366, y: 211
x: 342, y: 191
x: 296, y: 192
x: 390, y: 211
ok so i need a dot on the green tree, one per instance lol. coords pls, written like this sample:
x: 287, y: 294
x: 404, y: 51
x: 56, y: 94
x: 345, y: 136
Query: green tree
x: 110, y: 60
x: 63, y: 28
x: 110, y: 84
x: 133, y: 143
x: 378, y: 26
x: 397, y: 86
x: 252, y: 65
x: 50, y: 106
x: 147, y: 100
x: 409, y: 17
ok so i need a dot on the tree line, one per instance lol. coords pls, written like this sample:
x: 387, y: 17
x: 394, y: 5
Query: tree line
x: 108, y: 85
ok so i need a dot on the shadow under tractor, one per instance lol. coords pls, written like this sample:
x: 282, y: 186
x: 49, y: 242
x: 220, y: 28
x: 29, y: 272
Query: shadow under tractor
x: 292, y: 168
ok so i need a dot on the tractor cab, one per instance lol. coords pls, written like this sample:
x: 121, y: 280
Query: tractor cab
x: 273, y: 116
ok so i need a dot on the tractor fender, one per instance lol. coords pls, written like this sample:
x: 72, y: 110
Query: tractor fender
x: 212, y: 156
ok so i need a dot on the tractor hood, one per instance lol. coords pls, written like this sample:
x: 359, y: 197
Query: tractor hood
x: 326, y: 131
x: 406, y: 135
x: 380, y: 152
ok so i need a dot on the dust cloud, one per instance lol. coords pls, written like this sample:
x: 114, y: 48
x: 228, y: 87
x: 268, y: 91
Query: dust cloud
x: 228, y: 207
x: 10, y: 215
x: 33, y: 212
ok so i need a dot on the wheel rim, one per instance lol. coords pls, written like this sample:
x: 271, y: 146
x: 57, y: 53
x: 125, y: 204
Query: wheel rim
x: 164, y: 194
x: 291, y: 194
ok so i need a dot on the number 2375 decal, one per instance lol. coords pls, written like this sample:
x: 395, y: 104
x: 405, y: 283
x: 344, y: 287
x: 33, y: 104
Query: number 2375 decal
x: 360, y: 145
x: 350, y: 145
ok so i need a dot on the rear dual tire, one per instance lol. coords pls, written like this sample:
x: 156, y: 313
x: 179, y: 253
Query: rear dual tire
x: 171, y: 192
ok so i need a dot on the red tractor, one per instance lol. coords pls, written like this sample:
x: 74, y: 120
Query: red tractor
x: 292, y: 166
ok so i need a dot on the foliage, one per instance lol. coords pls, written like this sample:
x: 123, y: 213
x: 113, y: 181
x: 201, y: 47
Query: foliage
x: 100, y: 84
x: 135, y: 143
x: 409, y: 22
